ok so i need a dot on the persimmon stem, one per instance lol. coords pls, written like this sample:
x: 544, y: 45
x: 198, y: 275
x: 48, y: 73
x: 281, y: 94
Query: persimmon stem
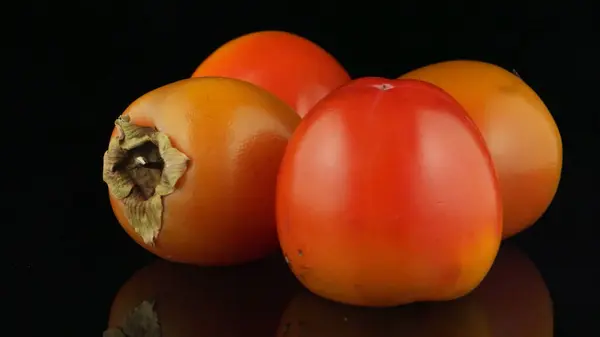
x: 141, y: 167
x: 141, y: 160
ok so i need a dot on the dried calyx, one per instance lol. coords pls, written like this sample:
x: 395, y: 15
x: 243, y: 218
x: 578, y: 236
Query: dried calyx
x: 140, y: 168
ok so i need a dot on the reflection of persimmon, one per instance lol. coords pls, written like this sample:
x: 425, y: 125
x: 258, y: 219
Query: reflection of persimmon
x: 515, y: 297
x: 311, y: 316
x: 512, y: 301
x: 179, y: 300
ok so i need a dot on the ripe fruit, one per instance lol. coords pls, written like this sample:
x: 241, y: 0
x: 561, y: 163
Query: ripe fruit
x: 387, y: 195
x: 192, y: 167
x: 175, y: 300
x: 511, y: 301
x: 520, y: 133
x: 293, y: 68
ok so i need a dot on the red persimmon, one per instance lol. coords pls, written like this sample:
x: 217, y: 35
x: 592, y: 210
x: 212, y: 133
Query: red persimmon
x: 387, y: 195
x: 291, y: 67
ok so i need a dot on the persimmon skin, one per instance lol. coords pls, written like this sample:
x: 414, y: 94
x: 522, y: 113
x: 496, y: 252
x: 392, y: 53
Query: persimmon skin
x: 235, y: 134
x: 521, y: 134
x: 291, y: 67
x: 385, y: 194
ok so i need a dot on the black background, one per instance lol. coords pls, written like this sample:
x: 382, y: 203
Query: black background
x: 72, y: 68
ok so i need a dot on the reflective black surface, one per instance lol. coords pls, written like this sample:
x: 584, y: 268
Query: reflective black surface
x: 71, y: 270
x: 263, y: 299
x: 540, y: 293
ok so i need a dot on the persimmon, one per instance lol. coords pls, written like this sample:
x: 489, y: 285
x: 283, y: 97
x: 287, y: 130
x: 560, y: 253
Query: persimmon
x: 520, y: 133
x: 176, y: 300
x: 191, y: 170
x: 387, y: 195
x: 511, y: 301
x: 295, y: 69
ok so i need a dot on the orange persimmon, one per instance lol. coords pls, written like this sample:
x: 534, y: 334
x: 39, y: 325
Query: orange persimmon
x: 176, y: 300
x: 293, y: 68
x: 520, y: 133
x: 387, y: 195
x: 192, y: 167
x: 511, y: 301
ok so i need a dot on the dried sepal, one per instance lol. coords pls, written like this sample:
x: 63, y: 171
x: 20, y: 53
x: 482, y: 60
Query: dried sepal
x: 142, y: 197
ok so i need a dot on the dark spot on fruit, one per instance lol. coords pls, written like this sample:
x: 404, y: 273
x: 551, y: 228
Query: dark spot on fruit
x: 383, y: 86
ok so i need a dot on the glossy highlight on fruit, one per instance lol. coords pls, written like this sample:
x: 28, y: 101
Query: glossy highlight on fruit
x: 511, y: 301
x: 174, y: 300
x: 192, y: 168
x: 385, y: 192
x: 520, y: 133
x: 291, y: 67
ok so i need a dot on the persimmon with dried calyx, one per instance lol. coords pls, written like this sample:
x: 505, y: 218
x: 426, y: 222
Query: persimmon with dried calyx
x: 293, y: 68
x: 166, y: 299
x: 520, y: 133
x: 192, y: 166
x: 512, y: 300
x: 387, y: 195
